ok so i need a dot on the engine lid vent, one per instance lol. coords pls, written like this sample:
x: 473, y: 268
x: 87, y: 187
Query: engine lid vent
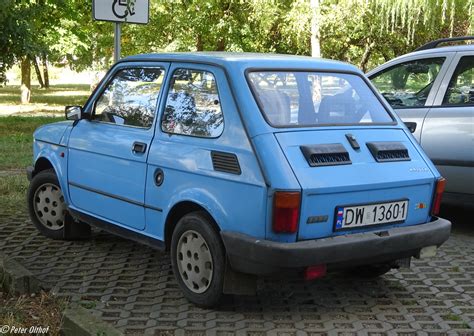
x: 388, y: 151
x: 225, y: 162
x: 326, y: 155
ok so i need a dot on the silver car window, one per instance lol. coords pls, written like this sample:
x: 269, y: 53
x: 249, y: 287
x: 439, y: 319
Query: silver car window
x: 408, y: 84
x: 461, y: 86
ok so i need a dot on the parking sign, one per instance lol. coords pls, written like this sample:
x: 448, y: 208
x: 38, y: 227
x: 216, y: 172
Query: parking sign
x: 130, y: 11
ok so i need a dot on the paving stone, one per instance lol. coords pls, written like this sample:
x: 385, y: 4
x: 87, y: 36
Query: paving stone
x: 133, y: 288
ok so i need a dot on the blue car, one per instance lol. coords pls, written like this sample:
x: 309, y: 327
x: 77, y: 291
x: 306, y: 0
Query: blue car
x: 241, y: 165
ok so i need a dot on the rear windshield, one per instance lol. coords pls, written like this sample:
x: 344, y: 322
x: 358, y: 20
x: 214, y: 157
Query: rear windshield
x: 289, y: 99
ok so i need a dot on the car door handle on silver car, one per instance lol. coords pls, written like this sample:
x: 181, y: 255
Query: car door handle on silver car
x: 139, y: 147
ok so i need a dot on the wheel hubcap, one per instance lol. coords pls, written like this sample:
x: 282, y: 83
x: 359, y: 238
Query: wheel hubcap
x: 49, y: 206
x: 194, y: 261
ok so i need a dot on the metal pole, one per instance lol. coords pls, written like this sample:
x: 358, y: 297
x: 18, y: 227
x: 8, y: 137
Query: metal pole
x: 117, y: 35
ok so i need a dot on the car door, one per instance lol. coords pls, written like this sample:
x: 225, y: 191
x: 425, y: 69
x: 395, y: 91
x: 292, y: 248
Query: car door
x: 448, y: 132
x: 108, y: 153
x: 410, y: 86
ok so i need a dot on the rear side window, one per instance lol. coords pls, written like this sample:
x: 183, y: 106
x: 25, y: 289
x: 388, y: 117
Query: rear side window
x: 461, y: 86
x: 408, y: 84
x: 304, y: 99
x: 193, y: 106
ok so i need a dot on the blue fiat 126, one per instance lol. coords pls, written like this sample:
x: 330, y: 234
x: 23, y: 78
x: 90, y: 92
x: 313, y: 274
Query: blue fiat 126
x: 240, y: 165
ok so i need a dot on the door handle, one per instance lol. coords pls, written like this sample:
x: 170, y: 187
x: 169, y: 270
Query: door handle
x: 139, y: 147
x: 411, y: 126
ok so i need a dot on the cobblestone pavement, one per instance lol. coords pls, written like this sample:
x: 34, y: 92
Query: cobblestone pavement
x: 133, y: 288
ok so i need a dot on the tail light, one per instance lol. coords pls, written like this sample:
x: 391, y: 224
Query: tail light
x: 286, y: 211
x: 438, y: 195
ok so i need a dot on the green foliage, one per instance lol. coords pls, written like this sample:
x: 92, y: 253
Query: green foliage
x: 385, y: 29
x: 364, y: 32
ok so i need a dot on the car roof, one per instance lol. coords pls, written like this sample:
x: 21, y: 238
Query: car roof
x: 433, y: 52
x: 464, y: 47
x: 247, y: 60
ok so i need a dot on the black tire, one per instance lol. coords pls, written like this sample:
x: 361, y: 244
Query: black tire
x: 47, y: 179
x: 372, y: 271
x: 201, y: 223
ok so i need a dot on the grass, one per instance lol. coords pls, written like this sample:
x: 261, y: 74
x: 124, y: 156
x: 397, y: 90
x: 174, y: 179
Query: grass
x: 16, y: 140
x: 16, y: 130
x: 25, y: 311
x: 13, y: 191
x: 16, y: 152
x: 452, y: 317
x: 43, y: 101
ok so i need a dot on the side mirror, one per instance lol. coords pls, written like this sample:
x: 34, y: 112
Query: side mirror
x: 74, y: 113
x: 411, y: 126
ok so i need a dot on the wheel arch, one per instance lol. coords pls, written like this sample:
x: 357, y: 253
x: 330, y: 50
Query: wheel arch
x: 49, y: 159
x: 178, y: 211
x: 41, y: 164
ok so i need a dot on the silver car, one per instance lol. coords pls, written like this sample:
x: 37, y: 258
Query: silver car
x: 432, y: 90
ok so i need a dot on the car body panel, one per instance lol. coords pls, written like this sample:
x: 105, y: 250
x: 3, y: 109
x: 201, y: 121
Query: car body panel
x: 114, y: 176
x: 52, y: 133
x: 189, y: 174
x: 364, y: 181
x: 446, y: 133
x: 56, y: 155
x: 448, y: 137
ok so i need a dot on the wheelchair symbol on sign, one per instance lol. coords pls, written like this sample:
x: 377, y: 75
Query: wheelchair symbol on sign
x: 123, y: 8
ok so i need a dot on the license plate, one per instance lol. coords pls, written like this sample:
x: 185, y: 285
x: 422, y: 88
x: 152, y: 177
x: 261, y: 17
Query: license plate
x: 348, y: 217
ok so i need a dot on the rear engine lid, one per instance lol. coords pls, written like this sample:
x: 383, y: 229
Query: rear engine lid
x: 350, y: 169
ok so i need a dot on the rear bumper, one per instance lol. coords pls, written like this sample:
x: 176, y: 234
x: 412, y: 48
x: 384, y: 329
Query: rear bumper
x: 255, y: 256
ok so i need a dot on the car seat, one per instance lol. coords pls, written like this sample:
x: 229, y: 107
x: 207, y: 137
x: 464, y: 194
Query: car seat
x: 276, y: 106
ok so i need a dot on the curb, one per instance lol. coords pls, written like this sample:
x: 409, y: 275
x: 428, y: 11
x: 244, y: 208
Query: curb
x: 77, y: 321
x: 16, y: 279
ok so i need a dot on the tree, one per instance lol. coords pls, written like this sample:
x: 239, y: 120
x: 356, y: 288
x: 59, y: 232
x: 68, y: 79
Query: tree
x: 315, y: 33
x: 31, y: 30
x: 364, y: 32
x: 369, y: 32
x: 14, y: 32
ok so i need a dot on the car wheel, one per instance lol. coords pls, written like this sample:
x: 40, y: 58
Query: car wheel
x: 46, y: 206
x: 198, y: 259
x: 372, y: 271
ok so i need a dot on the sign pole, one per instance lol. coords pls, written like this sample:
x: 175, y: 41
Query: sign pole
x: 121, y: 11
x: 117, y: 36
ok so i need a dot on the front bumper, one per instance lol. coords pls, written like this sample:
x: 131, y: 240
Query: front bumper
x: 256, y: 256
x: 30, y: 172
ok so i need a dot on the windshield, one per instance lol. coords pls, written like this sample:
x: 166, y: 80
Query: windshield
x: 302, y: 99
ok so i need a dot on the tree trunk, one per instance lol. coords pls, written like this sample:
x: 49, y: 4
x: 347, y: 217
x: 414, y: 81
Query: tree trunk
x: 385, y: 55
x: 366, y: 56
x: 38, y: 72
x: 315, y: 33
x: 45, y: 72
x: 25, y: 88
x: 221, y: 44
x: 199, y: 43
